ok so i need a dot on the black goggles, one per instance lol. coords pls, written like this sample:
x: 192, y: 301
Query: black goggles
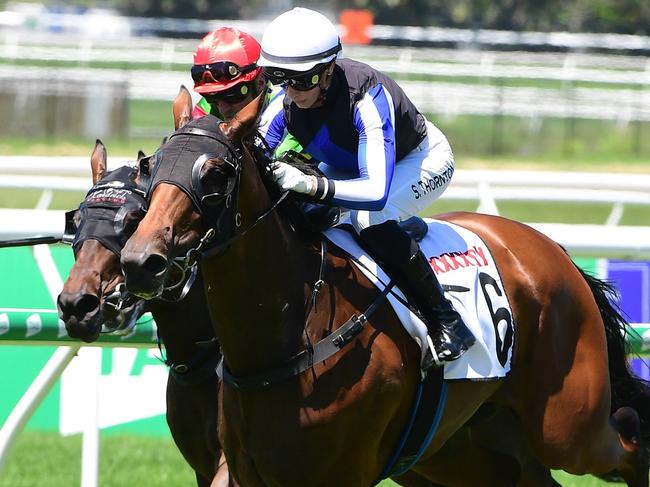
x: 236, y: 94
x: 220, y: 72
x: 301, y: 81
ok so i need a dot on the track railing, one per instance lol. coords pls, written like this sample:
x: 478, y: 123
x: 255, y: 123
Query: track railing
x: 487, y: 188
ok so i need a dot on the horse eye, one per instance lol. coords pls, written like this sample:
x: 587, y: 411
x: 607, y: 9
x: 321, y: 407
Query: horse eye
x: 131, y: 221
x: 215, y: 179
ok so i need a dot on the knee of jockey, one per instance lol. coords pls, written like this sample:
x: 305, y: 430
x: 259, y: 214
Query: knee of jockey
x: 362, y: 219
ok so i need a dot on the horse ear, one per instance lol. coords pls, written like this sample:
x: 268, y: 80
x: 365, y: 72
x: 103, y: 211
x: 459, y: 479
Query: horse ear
x: 182, y: 107
x: 98, y: 161
x: 141, y: 154
x: 246, y: 119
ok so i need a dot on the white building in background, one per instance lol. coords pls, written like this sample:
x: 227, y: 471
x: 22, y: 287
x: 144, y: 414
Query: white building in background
x: 80, y: 21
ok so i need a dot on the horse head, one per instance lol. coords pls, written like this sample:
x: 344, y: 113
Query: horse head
x: 193, y: 198
x: 93, y: 296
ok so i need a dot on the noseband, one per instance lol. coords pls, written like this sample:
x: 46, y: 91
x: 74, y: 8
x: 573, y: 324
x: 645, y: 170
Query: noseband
x: 219, y: 209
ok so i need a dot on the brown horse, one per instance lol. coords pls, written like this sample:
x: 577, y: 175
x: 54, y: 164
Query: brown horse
x: 338, y: 422
x: 88, y: 301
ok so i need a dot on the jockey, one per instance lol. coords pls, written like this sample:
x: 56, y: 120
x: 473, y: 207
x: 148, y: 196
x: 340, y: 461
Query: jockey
x: 225, y: 72
x: 383, y: 161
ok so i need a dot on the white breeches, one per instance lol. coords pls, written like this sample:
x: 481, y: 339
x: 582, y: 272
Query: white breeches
x: 418, y: 180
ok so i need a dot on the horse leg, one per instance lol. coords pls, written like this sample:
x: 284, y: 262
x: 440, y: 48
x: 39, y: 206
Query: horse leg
x: 499, y: 429
x: 626, y: 422
x: 413, y: 479
x: 222, y: 477
x: 567, y: 413
x: 449, y: 465
x: 492, y: 441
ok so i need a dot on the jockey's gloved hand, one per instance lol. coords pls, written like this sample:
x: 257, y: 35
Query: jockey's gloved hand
x: 290, y: 178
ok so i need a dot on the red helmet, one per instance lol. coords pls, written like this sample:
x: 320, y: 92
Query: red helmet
x: 225, y: 58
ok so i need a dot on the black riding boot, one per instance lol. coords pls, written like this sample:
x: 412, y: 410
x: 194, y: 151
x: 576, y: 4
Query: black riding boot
x: 403, y: 260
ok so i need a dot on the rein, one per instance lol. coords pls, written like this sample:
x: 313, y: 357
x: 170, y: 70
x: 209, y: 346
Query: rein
x: 223, y: 207
x: 309, y: 357
x: 313, y: 354
x: 194, y: 254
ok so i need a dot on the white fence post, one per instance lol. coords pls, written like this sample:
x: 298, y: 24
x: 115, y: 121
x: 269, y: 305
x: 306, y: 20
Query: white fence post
x: 34, y: 395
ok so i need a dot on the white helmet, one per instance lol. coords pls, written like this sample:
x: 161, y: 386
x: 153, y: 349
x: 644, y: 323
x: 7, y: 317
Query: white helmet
x: 298, y: 40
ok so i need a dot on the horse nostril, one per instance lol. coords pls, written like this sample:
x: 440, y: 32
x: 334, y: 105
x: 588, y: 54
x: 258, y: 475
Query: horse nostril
x: 87, y: 303
x: 76, y: 304
x: 155, y: 264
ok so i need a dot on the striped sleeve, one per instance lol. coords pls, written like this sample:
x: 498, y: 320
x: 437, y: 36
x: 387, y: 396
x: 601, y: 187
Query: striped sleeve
x: 374, y: 118
x: 201, y: 109
x: 272, y: 124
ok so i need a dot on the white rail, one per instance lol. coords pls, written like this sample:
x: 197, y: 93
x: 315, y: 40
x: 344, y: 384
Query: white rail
x: 487, y: 188
x: 620, y: 242
x: 80, y: 166
x: 60, y: 166
x: 628, y: 104
x: 74, y: 24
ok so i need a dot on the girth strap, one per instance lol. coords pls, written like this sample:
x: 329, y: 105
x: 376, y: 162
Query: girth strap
x: 307, y: 358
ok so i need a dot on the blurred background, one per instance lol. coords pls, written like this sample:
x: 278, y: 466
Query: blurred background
x: 546, y: 104
x: 513, y: 79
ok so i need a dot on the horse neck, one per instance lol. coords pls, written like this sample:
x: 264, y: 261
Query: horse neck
x: 184, y: 327
x: 257, y: 290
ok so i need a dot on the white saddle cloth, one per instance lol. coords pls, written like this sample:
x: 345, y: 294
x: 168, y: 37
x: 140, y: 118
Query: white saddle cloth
x: 461, y: 260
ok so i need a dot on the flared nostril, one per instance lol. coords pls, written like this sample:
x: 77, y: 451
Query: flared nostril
x: 77, y: 304
x: 155, y: 264
x: 87, y: 303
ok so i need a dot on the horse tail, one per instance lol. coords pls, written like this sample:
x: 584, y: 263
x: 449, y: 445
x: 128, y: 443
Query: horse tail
x: 627, y: 389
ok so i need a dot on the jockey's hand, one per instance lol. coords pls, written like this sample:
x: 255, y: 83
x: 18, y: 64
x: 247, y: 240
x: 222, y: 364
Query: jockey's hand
x: 293, y: 179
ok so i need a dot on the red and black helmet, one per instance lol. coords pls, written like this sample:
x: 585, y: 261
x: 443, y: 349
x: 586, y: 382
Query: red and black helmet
x: 225, y: 58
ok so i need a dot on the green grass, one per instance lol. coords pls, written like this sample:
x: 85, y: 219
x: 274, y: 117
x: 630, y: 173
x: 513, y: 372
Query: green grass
x: 550, y: 212
x: 22, y: 199
x: 563, y: 144
x: 50, y: 460
x: 78, y: 146
x: 478, y: 141
x: 54, y: 461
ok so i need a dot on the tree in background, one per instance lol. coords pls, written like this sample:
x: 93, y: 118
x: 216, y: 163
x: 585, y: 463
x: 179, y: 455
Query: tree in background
x: 186, y: 9
x: 622, y: 16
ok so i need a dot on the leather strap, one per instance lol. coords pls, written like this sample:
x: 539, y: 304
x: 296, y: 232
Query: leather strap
x: 306, y: 359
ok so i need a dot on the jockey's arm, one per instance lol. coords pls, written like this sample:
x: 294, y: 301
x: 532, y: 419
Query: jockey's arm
x: 374, y: 120
x: 273, y: 126
x: 375, y: 160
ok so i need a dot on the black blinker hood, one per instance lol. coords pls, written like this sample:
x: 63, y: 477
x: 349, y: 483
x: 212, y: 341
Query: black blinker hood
x: 175, y: 160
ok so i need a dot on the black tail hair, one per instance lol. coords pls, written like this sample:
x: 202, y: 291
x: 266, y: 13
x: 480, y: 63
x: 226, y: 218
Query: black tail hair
x: 627, y: 389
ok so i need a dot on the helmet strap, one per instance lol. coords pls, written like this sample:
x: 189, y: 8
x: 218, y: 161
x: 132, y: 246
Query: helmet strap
x: 255, y: 85
x: 327, y: 80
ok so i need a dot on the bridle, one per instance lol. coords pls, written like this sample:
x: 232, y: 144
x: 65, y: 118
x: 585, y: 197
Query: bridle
x: 102, y: 217
x: 224, y: 229
x: 219, y: 208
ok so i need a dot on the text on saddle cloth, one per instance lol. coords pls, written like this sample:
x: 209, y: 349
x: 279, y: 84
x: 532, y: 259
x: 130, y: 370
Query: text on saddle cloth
x: 467, y: 271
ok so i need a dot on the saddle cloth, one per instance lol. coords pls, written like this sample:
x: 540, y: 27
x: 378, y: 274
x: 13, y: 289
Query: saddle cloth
x: 472, y: 283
